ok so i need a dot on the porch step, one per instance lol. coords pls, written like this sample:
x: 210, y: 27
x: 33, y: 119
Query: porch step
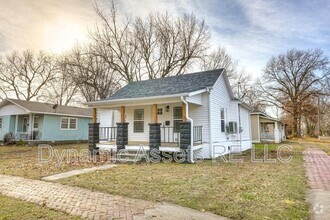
x: 132, y: 156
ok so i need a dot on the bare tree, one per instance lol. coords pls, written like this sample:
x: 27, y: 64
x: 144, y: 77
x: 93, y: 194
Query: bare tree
x: 26, y: 74
x: 220, y: 58
x: 158, y: 46
x: 291, y: 79
x: 240, y: 81
x: 92, y: 74
x: 113, y: 41
x: 63, y: 88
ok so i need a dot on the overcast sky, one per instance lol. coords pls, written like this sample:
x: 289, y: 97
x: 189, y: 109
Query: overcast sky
x: 251, y: 30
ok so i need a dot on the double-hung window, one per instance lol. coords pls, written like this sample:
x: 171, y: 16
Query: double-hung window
x: 222, y: 120
x: 177, y: 118
x: 138, y: 120
x: 68, y: 123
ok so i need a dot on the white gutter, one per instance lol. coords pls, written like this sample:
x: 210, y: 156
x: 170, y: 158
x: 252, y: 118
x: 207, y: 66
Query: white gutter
x: 191, y: 149
x: 210, y: 124
x: 134, y: 99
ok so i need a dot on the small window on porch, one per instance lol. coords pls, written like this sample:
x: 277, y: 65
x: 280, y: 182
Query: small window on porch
x: 36, y: 122
x: 138, y: 120
x: 223, y: 120
x: 160, y: 111
x: 177, y: 118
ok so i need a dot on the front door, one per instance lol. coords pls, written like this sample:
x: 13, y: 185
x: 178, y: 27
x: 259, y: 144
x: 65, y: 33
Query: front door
x: 25, y: 124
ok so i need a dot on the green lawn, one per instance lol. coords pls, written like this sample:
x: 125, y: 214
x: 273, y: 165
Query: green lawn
x: 235, y: 190
x: 16, y: 209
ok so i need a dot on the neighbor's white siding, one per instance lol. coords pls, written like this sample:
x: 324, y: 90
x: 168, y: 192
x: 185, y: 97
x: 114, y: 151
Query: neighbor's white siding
x: 11, y: 109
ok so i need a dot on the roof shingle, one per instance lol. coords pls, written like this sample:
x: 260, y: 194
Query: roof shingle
x: 48, y: 108
x: 168, y: 86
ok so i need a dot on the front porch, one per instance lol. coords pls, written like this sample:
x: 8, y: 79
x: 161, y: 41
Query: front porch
x: 169, y: 138
x: 164, y: 127
x: 269, y: 131
x: 26, y: 127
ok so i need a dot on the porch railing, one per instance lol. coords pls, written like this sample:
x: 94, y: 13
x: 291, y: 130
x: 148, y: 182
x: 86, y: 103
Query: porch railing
x: 169, y: 135
x: 198, y: 134
x: 26, y: 136
x: 108, y: 133
x: 21, y: 136
x: 267, y: 135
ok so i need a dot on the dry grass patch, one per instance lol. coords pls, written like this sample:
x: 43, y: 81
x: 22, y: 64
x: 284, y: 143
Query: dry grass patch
x: 235, y: 190
x: 16, y: 209
x: 23, y: 161
x: 314, y: 142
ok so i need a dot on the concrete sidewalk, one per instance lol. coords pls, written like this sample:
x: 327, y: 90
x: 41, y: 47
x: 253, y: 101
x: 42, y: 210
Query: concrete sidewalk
x: 77, y: 172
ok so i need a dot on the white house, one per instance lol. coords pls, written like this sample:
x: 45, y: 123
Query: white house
x: 204, y: 100
x: 266, y: 129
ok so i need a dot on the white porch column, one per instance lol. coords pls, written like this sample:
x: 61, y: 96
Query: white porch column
x: 16, y: 124
x: 276, y: 133
x: 30, y: 135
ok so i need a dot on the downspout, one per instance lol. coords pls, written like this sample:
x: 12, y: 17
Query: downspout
x: 210, y: 123
x: 191, y: 151
x: 239, y: 124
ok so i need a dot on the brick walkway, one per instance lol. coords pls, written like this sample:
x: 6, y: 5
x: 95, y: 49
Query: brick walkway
x: 73, y: 200
x: 317, y: 165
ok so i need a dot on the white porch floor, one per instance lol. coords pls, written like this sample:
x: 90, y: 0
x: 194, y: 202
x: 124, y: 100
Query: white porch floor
x: 136, y: 145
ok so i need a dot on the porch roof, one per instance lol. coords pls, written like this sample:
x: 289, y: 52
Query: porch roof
x: 166, y: 87
x: 265, y: 116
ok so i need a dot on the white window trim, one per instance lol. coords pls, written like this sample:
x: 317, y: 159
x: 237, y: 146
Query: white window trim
x: 27, y: 127
x: 176, y: 119
x: 134, y: 120
x: 69, y: 120
x: 224, y: 119
x: 34, y: 121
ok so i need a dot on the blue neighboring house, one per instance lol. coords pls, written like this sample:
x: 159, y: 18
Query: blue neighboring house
x: 36, y: 121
